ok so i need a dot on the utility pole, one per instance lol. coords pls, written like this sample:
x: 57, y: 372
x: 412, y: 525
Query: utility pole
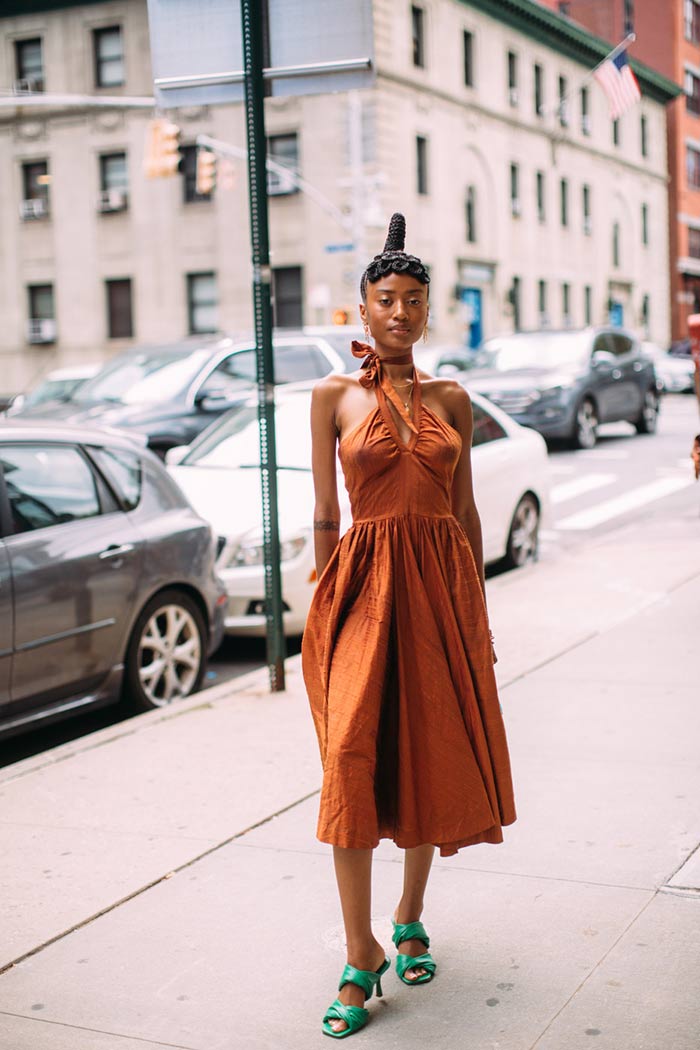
x: 262, y: 314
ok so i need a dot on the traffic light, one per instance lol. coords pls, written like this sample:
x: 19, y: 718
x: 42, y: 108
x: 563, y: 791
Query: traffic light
x: 340, y: 316
x: 163, y: 155
x: 206, y: 172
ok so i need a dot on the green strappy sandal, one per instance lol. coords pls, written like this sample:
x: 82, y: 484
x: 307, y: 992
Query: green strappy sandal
x: 408, y: 932
x: 355, y: 1017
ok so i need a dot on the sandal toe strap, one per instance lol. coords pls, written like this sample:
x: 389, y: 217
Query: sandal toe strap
x: 353, y: 1016
x: 414, y: 962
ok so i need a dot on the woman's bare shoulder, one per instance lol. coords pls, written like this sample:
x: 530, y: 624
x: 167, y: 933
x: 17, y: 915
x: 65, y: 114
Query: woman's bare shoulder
x: 448, y: 391
x: 329, y: 390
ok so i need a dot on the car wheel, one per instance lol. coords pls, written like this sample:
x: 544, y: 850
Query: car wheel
x: 166, y: 657
x: 523, y: 537
x: 649, y: 416
x: 585, y: 432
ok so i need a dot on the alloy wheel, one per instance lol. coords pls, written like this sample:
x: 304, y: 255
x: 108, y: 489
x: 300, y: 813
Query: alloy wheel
x: 524, y: 532
x: 586, y: 425
x: 169, y: 655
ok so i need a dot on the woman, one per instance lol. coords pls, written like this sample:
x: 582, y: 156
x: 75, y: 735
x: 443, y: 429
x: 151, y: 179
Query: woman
x: 397, y: 652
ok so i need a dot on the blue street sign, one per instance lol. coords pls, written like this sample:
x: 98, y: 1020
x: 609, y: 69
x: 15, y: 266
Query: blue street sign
x: 332, y: 248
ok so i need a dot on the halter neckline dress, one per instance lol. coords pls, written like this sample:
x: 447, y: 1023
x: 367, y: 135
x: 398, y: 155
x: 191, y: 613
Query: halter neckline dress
x: 396, y: 654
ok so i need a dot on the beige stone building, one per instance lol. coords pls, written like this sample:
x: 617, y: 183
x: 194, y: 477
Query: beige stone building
x: 530, y: 207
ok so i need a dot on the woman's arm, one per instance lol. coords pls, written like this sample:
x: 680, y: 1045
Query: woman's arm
x: 463, y: 504
x: 324, y: 436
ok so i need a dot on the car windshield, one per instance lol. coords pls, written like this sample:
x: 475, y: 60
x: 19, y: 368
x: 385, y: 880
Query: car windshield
x: 340, y: 341
x: 235, y: 441
x: 535, y: 350
x: 53, y: 390
x: 144, y: 378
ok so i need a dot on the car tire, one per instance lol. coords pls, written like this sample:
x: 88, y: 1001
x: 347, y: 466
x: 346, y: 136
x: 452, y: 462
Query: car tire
x: 523, y: 535
x: 167, y: 653
x: 585, y: 432
x: 649, y: 416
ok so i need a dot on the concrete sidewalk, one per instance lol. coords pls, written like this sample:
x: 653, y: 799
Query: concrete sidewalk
x: 162, y: 885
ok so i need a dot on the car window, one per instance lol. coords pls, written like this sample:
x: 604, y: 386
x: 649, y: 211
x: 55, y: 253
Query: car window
x: 143, y: 377
x: 124, y: 472
x: 48, y: 485
x: 603, y: 341
x: 486, y: 428
x: 235, y: 373
x: 296, y: 363
x: 621, y: 344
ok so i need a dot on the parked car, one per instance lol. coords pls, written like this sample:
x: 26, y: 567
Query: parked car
x: 107, y: 577
x: 565, y: 383
x: 171, y: 393
x: 675, y: 372
x: 58, y: 385
x: 444, y: 360
x: 220, y: 475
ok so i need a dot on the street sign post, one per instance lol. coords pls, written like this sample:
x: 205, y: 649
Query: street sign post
x: 212, y: 51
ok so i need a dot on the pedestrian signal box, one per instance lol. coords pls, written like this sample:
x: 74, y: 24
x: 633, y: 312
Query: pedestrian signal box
x: 206, y: 172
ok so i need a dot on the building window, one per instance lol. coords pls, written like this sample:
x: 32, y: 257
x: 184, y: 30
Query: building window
x: 541, y: 207
x: 471, y: 214
x: 287, y: 295
x: 692, y: 93
x: 514, y: 190
x: 418, y: 36
x: 691, y: 17
x: 645, y: 224
x: 119, y: 319
x: 646, y: 310
x: 563, y: 102
x: 113, y: 172
x: 564, y: 201
x: 693, y: 167
x: 539, y: 91
x: 694, y: 243
x: 109, y: 57
x: 542, y: 302
x: 616, y: 244
x: 644, y: 136
x: 616, y: 131
x: 29, y: 65
x: 587, y: 305
x: 284, y: 150
x: 41, y: 327
x: 468, y: 46
x: 421, y: 165
x: 512, y: 78
x: 515, y: 302
x: 586, y: 200
x: 585, y: 112
x: 566, y: 304
x: 202, y: 303
x: 629, y: 17
x: 35, y: 190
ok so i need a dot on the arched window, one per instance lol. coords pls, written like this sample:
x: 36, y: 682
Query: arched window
x: 471, y: 214
x: 616, y: 244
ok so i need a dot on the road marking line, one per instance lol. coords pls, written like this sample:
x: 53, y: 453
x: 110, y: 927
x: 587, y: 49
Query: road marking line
x: 586, y: 483
x: 602, y: 453
x: 612, y: 508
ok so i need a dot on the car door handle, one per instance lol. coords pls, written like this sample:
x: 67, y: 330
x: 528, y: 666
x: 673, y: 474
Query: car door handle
x: 115, y: 551
x: 616, y: 373
x: 637, y: 366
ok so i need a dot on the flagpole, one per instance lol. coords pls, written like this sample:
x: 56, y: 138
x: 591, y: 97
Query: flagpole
x: 629, y: 39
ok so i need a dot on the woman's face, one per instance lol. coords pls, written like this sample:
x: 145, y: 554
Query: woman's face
x: 396, y: 310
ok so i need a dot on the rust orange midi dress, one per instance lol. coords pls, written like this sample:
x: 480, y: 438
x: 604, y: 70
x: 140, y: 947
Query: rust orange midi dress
x: 396, y: 654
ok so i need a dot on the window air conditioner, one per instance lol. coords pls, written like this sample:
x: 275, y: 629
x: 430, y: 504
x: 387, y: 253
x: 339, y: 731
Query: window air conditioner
x: 40, y: 330
x: 515, y: 208
x: 279, y: 183
x: 112, y: 200
x: 28, y: 85
x: 586, y: 125
x: 513, y: 96
x: 34, y: 208
x: 587, y: 226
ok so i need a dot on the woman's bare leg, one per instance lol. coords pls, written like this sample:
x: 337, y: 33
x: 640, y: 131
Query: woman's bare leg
x: 353, y: 872
x: 416, y: 869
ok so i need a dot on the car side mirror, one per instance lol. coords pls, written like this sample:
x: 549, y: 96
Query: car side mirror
x: 212, y: 400
x: 176, y: 454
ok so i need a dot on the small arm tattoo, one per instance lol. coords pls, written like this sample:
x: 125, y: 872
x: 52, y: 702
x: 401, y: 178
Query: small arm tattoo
x: 326, y: 526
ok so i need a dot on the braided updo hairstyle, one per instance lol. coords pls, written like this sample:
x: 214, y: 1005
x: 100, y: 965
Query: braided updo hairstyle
x: 393, y: 259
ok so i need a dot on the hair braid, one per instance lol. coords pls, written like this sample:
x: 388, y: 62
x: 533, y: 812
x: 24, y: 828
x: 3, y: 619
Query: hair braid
x: 393, y: 258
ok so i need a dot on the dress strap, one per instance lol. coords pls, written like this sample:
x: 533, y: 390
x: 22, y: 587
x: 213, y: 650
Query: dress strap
x: 373, y: 376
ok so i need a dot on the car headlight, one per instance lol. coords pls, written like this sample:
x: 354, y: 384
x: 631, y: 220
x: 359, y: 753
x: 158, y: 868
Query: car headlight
x: 250, y: 551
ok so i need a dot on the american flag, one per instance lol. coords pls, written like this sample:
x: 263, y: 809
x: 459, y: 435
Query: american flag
x: 619, y: 83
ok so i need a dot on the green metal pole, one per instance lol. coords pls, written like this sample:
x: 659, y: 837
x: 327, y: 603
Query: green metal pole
x: 251, y: 13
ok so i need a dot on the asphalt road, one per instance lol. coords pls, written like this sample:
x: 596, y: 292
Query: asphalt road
x: 626, y: 476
